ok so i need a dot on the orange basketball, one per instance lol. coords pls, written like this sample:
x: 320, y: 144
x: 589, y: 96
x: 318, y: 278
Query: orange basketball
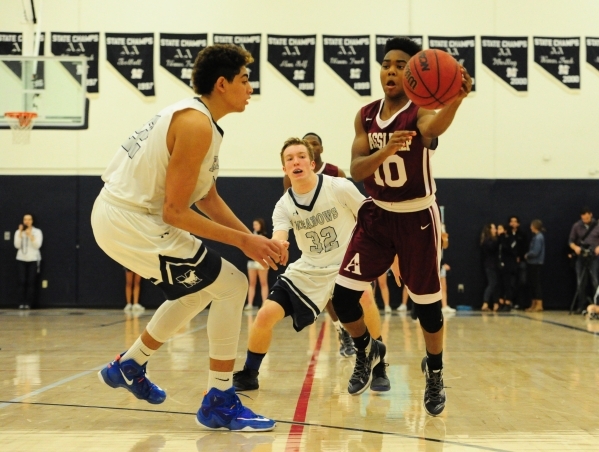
x: 432, y: 79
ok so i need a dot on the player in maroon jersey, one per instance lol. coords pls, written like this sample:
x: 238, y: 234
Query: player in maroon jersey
x: 391, y: 153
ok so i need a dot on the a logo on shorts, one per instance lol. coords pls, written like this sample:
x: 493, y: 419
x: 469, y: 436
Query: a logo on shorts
x: 355, y: 263
x: 189, y: 279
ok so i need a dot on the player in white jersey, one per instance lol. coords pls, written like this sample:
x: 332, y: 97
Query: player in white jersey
x: 321, y: 210
x: 143, y: 220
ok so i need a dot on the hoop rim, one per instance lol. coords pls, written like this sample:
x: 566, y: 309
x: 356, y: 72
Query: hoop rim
x: 20, y: 114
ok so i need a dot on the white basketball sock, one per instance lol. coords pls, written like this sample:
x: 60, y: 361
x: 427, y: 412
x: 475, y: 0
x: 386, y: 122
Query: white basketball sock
x: 220, y: 380
x: 138, y: 352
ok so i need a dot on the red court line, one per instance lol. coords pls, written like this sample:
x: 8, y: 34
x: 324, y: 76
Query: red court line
x: 295, y: 434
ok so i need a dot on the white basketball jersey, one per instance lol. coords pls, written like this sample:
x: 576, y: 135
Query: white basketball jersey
x: 137, y: 172
x: 322, y: 229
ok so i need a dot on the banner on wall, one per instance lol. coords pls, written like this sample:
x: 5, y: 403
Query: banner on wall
x: 560, y: 57
x: 507, y: 57
x: 251, y: 43
x: 178, y: 53
x: 79, y: 44
x: 132, y: 55
x: 349, y: 57
x: 294, y: 57
x: 461, y: 48
x: 593, y: 52
x: 12, y: 44
x: 381, y: 40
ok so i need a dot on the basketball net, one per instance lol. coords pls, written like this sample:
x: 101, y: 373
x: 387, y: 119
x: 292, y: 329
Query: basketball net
x: 21, y: 123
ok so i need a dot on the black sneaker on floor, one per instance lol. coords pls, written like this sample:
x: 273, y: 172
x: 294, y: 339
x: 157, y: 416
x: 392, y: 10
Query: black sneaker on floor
x: 434, y: 392
x: 362, y: 376
x: 245, y: 380
x: 380, y: 381
x: 346, y: 344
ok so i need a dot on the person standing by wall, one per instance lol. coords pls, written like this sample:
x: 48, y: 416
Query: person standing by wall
x: 489, y: 250
x: 132, y: 290
x: 28, y: 240
x: 535, y: 258
x: 256, y: 271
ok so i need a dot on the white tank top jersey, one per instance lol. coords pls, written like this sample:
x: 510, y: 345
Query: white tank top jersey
x: 323, y: 228
x: 137, y: 172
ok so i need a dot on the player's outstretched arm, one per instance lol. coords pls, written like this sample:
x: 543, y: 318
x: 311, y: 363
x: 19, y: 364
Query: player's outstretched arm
x: 433, y: 125
x: 363, y: 163
x: 217, y: 210
x: 188, y: 141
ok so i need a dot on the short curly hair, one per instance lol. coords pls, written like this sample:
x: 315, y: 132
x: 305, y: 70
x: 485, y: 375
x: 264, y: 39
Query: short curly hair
x: 219, y: 60
x: 297, y: 141
x: 404, y: 44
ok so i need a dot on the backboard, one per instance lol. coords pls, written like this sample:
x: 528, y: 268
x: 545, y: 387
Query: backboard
x: 53, y: 87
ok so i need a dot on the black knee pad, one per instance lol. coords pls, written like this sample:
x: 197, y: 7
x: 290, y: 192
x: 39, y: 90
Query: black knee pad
x: 347, y: 304
x: 430, y: 316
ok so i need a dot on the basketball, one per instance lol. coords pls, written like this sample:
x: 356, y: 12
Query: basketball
x: 432, y: 79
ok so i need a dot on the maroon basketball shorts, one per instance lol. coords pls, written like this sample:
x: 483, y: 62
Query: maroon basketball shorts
x: 381, y: 234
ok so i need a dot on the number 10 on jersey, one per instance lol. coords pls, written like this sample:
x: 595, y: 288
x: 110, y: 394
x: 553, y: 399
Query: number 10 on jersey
x: 383, y: 175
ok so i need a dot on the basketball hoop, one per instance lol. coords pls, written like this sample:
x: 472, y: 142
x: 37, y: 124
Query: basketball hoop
x: 21, y: 123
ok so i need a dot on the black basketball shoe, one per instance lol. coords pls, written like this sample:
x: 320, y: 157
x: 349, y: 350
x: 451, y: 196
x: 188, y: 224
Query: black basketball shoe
x: 380, y: 381
x: 434, y: 392
x: 245, y: 380
x: 346, y: 344
x: 362, y: 376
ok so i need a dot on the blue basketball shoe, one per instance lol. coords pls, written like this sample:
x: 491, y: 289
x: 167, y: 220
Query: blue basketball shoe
x: 131, y: 376
x: 223, y: 410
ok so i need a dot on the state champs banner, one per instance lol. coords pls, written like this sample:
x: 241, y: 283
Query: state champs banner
x: 178, y: 53
x: 349, y: 57
x: 461, y: 48
x: 132, y: 55
x: 507, y: 57
x: 294, y: 58
x: 252, y: 44
x: 593, y: 52
x: 560, y: 57
x: 12, y: 44
x: 381, y: 40
x: 79, y: 44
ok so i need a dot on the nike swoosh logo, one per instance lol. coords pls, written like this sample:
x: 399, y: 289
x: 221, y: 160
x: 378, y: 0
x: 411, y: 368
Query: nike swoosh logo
x: 144, y: 353
x: 424, y: 227
x: 368, y: 119
x: 222, y: 379
x: 129, y: 382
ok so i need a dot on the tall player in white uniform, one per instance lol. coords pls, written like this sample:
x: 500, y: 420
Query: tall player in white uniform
x: 321, y: 210
x: 143, y: 220
x: 391, y: 153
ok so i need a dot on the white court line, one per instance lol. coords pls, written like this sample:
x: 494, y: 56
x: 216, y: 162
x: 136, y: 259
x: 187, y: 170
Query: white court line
x: 81, y: 374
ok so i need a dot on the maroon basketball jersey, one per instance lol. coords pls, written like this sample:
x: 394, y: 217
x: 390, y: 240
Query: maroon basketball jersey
x: 329, y: 170
x: 406, y: 175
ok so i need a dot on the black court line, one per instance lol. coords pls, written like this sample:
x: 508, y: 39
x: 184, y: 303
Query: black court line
x: 306, y: 424
x: 552, y: 322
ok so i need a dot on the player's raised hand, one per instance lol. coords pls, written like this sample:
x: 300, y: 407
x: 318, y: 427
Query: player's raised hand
x: 398, y: 141
x: 466, y: 84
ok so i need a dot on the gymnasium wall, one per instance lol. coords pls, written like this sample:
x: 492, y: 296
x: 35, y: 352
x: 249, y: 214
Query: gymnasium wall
x: 532, y: 154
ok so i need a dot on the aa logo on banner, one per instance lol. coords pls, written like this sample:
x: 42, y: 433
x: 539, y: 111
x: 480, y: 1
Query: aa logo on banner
x: 381, y: 40
x: 12, y: 44
x: 294, y: 57
x: 79, y: 44
x: 560, y: 57
x: 178, y: 53
x: 251, y: 43
x: 461, y: 48
x: 593, y: 52
x: 507, y: 57
x: 349, y: 57
x: 132, y: 55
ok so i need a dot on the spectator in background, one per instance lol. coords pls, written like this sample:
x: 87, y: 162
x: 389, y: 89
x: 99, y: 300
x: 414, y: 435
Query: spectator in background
x: 508, y: 267
x: 28, y: 240
x: 445, y: 308
x: 584, y: 241
x: 519, y: 289
x: 489, y: 249
x: 257, y: 271
x: 132, y: 288
x: 535, y: 259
